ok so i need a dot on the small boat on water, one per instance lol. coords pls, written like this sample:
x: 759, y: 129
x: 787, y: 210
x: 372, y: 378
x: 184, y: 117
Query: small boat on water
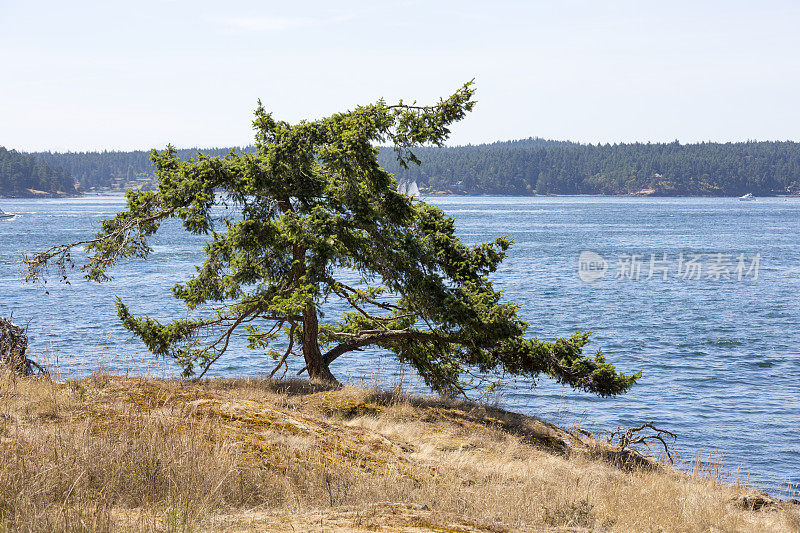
x: 747, y: 197
x: 408, y: 187
x: 4, y: 215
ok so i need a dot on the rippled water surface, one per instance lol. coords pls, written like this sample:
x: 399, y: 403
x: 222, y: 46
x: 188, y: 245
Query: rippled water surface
x: 720, y: 357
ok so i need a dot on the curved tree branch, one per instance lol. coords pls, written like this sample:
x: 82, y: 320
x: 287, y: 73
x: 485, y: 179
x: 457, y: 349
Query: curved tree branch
x: 366, y: 338
x: 35, y: 264
x: 288, y: 351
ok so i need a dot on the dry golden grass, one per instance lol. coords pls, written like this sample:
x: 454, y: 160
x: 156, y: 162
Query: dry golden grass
x: 130, y: 454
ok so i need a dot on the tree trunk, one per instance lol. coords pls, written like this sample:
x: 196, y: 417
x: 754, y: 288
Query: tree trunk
x: 315, y: 363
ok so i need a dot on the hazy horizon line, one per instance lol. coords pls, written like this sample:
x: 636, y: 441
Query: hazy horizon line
x: 486, y: 143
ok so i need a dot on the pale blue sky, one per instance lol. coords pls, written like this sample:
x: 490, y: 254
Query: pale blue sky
x: 92, y: 75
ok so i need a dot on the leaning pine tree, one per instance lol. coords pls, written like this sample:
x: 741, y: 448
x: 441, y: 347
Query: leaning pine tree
x: 310, y: 203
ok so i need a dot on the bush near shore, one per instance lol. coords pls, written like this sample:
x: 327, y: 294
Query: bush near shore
x: 111, y: 453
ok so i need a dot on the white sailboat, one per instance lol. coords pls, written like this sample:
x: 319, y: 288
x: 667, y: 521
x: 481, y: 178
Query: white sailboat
x: 409, y: 188
x: 4, y: 215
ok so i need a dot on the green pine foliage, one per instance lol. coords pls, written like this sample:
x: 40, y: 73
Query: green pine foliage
x: 311, y: 200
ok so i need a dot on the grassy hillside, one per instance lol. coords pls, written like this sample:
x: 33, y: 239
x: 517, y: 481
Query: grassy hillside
x: 122, y: 454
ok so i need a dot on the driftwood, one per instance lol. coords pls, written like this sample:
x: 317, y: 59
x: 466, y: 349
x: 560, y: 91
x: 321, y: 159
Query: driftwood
x: 628, y: 439
x: 13, y: 345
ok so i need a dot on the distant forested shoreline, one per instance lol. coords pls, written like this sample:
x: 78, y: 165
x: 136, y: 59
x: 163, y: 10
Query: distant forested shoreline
x: 116, y: 169
x: 538, y: 166
x: 25, y: 175
x: 522, y: 167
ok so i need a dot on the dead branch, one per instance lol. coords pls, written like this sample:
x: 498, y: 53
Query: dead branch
x: 287, y: 353
x: 628, y: 439
x: 13, y: 345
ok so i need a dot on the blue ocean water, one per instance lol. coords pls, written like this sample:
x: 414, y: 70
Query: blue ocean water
x: 718, y: 340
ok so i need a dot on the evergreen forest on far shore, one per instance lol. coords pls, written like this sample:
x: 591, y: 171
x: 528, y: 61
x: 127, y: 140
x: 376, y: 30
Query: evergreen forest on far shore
x: 522, y: 167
